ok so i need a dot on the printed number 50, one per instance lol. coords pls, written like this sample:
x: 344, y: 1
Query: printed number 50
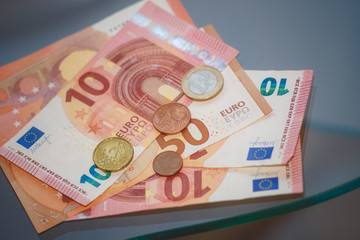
x: 187, y: 136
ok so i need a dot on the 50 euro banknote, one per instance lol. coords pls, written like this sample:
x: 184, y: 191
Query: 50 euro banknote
x: 137, y: 71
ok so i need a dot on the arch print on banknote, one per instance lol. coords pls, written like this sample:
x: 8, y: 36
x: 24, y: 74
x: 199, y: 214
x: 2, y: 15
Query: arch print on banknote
x: 149, y: 76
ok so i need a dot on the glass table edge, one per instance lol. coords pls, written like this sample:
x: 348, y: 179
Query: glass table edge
x: 257, y: 215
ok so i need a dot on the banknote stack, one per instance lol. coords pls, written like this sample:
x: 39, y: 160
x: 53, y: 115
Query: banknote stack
x: 143, y: 110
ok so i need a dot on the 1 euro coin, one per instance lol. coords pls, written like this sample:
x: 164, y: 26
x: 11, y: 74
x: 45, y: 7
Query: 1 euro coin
x: 202, y: 83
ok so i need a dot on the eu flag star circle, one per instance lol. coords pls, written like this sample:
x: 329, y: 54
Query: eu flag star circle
x: 261, y: 151
x: 265, y: 184
x: 30, y: 137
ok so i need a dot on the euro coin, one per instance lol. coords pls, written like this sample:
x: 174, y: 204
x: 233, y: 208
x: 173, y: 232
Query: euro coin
x: 202, y: 83
x: 171, y: 118
x: 113, y: 154
x: 167, y: 163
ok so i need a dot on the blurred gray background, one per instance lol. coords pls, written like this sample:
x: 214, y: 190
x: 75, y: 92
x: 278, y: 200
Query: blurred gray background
x: 270, y: 35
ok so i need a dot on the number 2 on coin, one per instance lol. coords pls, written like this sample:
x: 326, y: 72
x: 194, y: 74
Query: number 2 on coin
x: 187, y: 136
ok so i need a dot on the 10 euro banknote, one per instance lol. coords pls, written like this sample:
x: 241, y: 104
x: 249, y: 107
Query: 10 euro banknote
x: 119, y: 88
x: 272, y: 140
x: 203, y: 185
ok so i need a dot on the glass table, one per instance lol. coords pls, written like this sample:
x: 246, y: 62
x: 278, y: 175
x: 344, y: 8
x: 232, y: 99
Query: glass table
x: 279, y: 35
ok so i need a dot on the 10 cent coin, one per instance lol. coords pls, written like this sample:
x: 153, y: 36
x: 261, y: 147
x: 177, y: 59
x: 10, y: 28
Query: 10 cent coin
x: 113, y: 154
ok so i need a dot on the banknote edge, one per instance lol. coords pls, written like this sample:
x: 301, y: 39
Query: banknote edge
x: 299, y: 112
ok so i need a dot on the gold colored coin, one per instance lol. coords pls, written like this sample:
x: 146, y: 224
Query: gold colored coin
x: 202, y: 83
x: 113, y: 154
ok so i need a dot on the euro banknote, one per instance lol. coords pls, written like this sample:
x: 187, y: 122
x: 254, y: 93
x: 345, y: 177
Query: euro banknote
x: 137, y: 71
x: 90, y: 38
x: 272, y: 140
x: 47, y: 207
x: 203, y: 185
x: 44, y: 205
x: 37, y: 79
x: 27, y: 85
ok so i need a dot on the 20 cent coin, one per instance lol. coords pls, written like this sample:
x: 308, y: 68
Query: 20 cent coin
x: 113, y: 154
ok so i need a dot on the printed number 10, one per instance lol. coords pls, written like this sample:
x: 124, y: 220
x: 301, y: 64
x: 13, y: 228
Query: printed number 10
x: 85, y: 178
x: 72, y: 93
x: 273, y: 83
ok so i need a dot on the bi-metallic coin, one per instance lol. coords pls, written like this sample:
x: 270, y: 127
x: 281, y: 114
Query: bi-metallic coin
x: 202, y: 83
x: 113, y: 154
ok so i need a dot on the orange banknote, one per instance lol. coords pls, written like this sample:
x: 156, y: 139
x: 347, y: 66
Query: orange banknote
x: 117, y: 92
x: 28, y: 84
x: 203, y: 185
x: 46, y: 206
